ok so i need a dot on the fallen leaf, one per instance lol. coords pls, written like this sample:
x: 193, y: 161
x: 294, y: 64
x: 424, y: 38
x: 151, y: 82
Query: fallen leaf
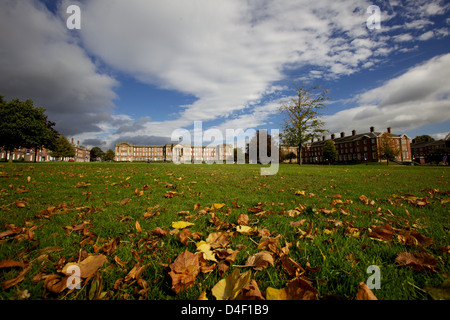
x: 125, y: 201
x: 217, y: 206
x: 181, y: 224
x: 230, y: 287
x: 202, y: 296
x: 246, y: 230
x: 138, y: 226
x: 418, y: 261
x: 205, y: 248
x: 8, y: 263
x: 441, y: 292
x: 88, y: 266
x: 260, y: 260
x: 297, y: 289
x: 56, y: 283
x: 20, y: 204
x: 299, y: 193
x: 365, y: 293
x: 250, y: 292
x: 218, y: 239
x: 12, y: 282
x: 384, y: 233
x: 184, y: 270
x: 183, y: 236
x: 160, y: 232
x: 243, y: 219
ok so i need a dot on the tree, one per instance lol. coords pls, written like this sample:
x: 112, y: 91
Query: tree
x: 63, y: 148
x: 387, y: 149
x: 23, y: 125
x: 109, y: 155
x: 302, y: 122
x: 254, y: 143
x: 96, y: 153
x: 329, y: 152
x: 423, y: 138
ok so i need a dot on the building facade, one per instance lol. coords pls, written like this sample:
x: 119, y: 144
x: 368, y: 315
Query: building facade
x: 422, y: 151
x: 82, y: 154
x: 178, y: 153
x: 359, y: 147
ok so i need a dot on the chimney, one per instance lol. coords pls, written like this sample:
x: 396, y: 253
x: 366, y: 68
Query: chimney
x: 372, y: 129
x: 72, y: 140
x: 332, y: 136
x: 353, y: 132
x: 323, y: 138
x: 342, y: 134
x: 389, y: 130
x: 78, y: 142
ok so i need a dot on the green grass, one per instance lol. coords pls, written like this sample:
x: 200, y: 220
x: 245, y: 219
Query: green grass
x: 342, y: 258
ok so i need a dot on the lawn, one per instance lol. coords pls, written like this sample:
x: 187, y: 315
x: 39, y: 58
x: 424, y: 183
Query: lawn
x: 314, y: 230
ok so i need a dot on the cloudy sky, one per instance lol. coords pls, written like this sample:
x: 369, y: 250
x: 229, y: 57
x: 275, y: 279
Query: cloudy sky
x: 138, y: 70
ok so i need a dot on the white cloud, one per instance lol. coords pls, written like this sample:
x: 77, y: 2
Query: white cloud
x: 416, y: 98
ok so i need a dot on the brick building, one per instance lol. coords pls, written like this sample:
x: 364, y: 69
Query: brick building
x: 422, y: 150
x: 82, y: 154
x: 359, y: 147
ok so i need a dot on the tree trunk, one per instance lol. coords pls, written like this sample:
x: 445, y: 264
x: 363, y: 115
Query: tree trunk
x: 35, y: 154
x: 299, y: 156
x: 10, y: 156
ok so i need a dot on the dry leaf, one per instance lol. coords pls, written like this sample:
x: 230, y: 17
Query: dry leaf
x: 12, y: 282
x: 160, y: 232
x: 183, y: 236
x: 217, y: 206
x: 243, y: 219
x: 205, y: 248
x: 138, y: 226
x: 184, y: 270
x: 251, y: 292
x: 418, y: 261
x: 56, y: 283
x: 365, y: 293
x: 246, y: 230
x: 125, y: 201
x: 230, y: 287
x: 260, y: 260
x: 218, y: 239
x: 384, y: 233
x: 88, y: 266
x: 181, y: 224
x: 297, y: 289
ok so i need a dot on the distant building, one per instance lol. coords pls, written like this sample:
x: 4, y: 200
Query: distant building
x: 421, y: 151
x: 356, y: 147
x: 82, y: 154
x: 125, y: 151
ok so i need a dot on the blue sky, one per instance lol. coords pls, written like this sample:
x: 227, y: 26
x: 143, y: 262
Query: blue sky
x: 138, y: 70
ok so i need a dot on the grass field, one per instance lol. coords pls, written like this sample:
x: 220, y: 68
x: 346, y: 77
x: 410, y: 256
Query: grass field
x: 323, y: 224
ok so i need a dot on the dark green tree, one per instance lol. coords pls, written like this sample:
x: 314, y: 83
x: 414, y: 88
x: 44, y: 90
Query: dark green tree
x: 96, y: 153
x: 423, y: 138
x: 24, y: 126
x: 109, y: 155
x: 329, y: 152
x: 62, y: 148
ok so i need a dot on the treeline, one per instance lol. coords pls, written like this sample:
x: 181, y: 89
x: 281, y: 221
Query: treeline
x: 22, y: 125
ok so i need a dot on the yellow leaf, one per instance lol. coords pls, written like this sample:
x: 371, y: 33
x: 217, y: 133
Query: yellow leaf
x: 138, y: 226
x: 217, y: 206
x: 205, y: 248
x: 181, y: 224
x: 299, y: 193
x: 20, y: 204
x: 231, y: 286
x: 445, y: 200
x: 28, y: 178
x: 203, y: 296
x: 274, y: 294
x: 245, y: 229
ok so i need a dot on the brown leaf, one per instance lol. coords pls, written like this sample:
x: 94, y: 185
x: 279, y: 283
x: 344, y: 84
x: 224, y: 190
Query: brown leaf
x: 8, y: 263
x: 365, y: 293
x: 119, y: 261
x: 218, y: 239
x: 56, y: 283
x: 297, y: 289
x: 12, y: 282
x: 251, y: 292
x: 88, y: 266
x: 183, y: 236
x: 385, y: 232
x: 243, y: 219
x: 138, y: 226
x: 260, y: 260
x: 125, y: 201
x: 160, y: 232
x: 417, y: 261
x: 135, y: 272
x: 184, y: 270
